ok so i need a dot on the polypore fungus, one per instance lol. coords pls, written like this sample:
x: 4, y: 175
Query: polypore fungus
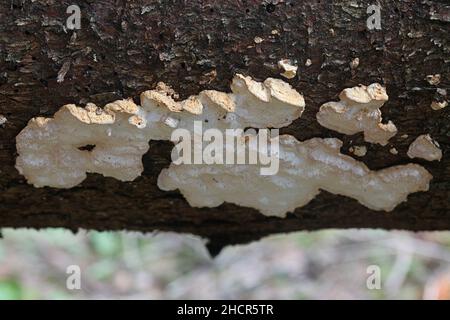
x: 272, y: 103
x: 305, y: 168
x: 289, y: 69
x: 425, y: 147
x: 3, y: 120
x: 438, y: 105
x: 59, y: 151
x: 53, y: 151
x: 358, y: 111
x: 433, y: 79
x: 359, y: 151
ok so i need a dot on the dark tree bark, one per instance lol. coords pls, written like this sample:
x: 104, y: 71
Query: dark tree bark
x: 126, y: 47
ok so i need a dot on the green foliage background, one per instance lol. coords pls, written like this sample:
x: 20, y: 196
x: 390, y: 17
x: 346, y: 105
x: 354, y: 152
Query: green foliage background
x: 318, y: 265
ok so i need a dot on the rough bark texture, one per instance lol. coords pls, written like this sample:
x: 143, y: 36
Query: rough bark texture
x: 125, y: 47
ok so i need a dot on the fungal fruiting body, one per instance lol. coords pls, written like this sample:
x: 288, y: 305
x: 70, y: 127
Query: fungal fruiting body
x: 359, y: 151
x: 59, y: 151
x: 393, y: 151
x: 51, y: 150
x: 272, y: 103
x: 289, y: 69
x: 358, y: 111
x: 3, y: 120
x: 425, y: 147
x: 305, y: 168
x: 438, y: 105
x: 433, y: 79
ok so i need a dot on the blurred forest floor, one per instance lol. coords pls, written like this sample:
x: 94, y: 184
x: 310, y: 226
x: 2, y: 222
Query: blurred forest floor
x: 317, y: 265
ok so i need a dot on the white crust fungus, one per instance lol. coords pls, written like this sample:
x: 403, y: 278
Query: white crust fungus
x: 433, y: 79
x: 305, y: 168
x: 359, y: 151
x: 258, y: 40
x: 51, y: 150
x: 272, y: 103
x: 59, y: 151
x: 3, y: 120
x: 358, y: 111
x: 289, y: 69
x: 438, y: 105
x: 393, y: 151
x: 425, y: 147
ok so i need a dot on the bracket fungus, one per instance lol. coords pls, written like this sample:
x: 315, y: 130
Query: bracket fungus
x: 359, y: 151
x: 272, y: 103
x: 3, y: 120
x: 425, y: 147
x: 358, y: 111
x: 51, y: 150
x: 438, y: 105
x: 59, y: 151
x: 289, y: 69
x: 305, y: 168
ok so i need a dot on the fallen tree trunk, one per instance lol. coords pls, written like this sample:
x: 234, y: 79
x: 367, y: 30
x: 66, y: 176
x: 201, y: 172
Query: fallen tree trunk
x: 126, y: 47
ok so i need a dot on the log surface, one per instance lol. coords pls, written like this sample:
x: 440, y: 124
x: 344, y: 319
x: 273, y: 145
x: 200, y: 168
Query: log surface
x: 126, y: 47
